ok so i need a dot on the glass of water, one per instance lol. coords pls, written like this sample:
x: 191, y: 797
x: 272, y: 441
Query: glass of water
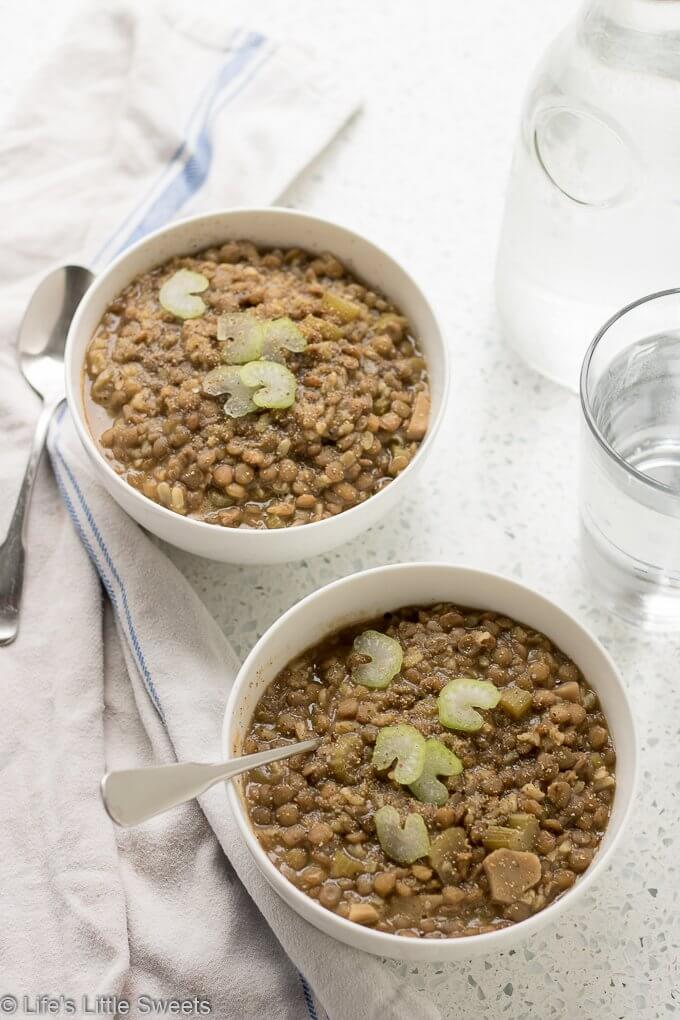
x: 630, y: 462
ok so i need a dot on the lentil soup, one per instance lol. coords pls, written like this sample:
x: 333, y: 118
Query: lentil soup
x: 255, y: 387
x: 500, y: 795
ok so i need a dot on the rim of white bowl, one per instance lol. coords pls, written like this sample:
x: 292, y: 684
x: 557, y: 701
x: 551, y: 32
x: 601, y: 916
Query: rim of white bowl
x: 251, y: 535
x: 493, y: 941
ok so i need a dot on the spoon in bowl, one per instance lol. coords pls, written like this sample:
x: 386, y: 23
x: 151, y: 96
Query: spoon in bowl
x: 132, y: 796
x: 41, y: 343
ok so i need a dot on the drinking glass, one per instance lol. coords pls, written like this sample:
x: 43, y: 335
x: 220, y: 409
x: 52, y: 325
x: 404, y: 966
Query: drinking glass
x: 630, y: 462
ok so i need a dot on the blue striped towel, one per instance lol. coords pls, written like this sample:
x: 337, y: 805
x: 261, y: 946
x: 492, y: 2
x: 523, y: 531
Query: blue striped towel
x: 140, y: 117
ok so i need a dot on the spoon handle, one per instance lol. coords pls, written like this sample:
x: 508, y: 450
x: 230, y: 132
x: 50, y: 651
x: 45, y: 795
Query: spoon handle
x: 132, y: 796
x: 12, y: 550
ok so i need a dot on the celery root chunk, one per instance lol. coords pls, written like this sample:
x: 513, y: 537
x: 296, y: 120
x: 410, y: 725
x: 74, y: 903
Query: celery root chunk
x: 445, y: 851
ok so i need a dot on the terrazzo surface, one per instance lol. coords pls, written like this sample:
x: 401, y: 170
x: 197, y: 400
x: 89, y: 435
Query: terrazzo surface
x: 422, y: 170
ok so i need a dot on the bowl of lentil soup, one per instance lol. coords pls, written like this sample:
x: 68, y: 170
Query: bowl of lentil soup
x: 256, y: 386
x: 515, y: 753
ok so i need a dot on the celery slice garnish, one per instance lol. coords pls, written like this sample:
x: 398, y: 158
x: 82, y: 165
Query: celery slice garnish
x: 242, y: 335
x: 273, y: 384
x: 226, y: 380
x: 456, y: 700
x: 404, y: 845
x: 386, y: 657
x: 179, y: 294
x: 404, y: 743
x: 439, y: 761
x: 280, y: 335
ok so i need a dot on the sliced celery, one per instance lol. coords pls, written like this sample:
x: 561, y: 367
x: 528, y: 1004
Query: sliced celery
x: 242, y: 335
x: 386, y: 658
x: 226, y: 379
x: 515, y: 702
x: 455, y: 703
x: 407, y: 745
x: 274, y: 384
x: 345, y: 310
x: 518, y: 834
x: 403, y: 845
x: 387, y: 319
x: 280, y: 335
x: 527, y: 826
x: 439, y: 761
x: 344, y: 866
x: 179, y: 294
x: 501, y: 837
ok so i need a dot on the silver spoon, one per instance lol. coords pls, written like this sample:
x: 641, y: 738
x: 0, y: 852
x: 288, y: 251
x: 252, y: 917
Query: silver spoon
x: 132, y: 796
x: 41, y: 343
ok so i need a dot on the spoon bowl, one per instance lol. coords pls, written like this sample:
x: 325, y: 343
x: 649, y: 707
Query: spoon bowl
x: 45, y: 325
x: 40, y: 349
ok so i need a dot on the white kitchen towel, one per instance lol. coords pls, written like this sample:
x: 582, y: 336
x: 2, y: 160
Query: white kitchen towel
x: 143, y: 114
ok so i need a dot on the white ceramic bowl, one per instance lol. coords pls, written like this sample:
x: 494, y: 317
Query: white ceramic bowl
x: 285, y: 228
x: 371, y: 593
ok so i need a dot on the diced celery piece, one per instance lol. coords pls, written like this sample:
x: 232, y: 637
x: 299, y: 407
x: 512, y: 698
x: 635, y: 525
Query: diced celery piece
x: 226, y: 379
x: 407, y: 745
x: 242, y: 334
x: 388, y: 319
x: 515, y: 702
x: 403, y: 845
x: 329, y: 330
x: 444, y: 853
x: 179, y: 294
x: 456, y: 700
x: 501, y: 837
x: 280, y: 335
x: 344, y: 866
x: 439, y: 761
x: 386, y: 659
x: 345, y: 310
x: 274, y: 385
x: 527, y: 826
x: 346, y: 757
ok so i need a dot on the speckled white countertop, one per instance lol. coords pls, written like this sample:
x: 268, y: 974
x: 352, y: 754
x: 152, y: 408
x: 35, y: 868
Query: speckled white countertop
x: 422, y: 170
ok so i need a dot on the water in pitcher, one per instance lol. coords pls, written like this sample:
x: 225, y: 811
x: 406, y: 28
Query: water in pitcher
x: 592, y: 215
x: 631, y: 519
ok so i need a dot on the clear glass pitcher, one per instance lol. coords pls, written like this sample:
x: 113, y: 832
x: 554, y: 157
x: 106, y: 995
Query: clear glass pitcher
x: 592, y: 218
